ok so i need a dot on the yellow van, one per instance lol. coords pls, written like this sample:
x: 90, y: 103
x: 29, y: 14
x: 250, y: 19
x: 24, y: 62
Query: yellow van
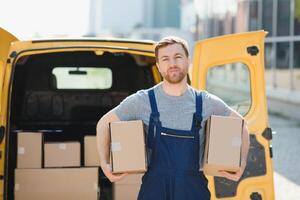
x: 61, y: 87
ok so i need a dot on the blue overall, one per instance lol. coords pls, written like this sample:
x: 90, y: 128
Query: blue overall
x: 173, y: 172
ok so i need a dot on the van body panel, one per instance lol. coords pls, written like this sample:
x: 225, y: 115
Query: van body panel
x: 6, y: 39
x: 207, y: 54
x: 248, y: 49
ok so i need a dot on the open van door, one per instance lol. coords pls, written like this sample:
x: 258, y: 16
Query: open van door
x: 5, y: 41
x: 232, y: 67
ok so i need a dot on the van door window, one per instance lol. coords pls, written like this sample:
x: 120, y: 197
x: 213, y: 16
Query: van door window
x: 82, y: 78
x: 231, y: 82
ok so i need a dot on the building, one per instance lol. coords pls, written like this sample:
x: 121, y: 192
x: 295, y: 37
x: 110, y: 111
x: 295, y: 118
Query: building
x: 114, y: 17
x: 119, y: 18
x: 281, y: 18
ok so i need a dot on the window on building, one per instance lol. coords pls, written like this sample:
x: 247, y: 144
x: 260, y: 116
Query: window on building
x: 296, y: 53
x: 283, y: 71
x: 282, y: 55
x: 268, y: 55
x: 269, y: 51
x: 296, y: 71
x: 267, y: 16
x: 221, y: 27
x: 253, y: 15
x: 297, y: 18
x: 283, y: 17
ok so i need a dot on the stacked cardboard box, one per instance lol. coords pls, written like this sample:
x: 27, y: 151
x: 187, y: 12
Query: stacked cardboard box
x: 58, y: 184
x: 33, y: 182
x: 62, y: 182
x: 29, y: 150
x: 91, y: 155
x: 62, y: 154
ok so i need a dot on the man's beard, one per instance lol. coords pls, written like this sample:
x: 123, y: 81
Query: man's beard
x: 175, y: 78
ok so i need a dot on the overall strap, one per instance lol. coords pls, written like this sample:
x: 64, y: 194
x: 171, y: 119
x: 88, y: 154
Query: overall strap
x: 154, y: 118
x: 198, y: 114
x: 197, y: 126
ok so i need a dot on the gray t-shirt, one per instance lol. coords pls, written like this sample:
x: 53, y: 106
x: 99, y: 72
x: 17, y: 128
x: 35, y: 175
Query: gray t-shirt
x: 176, y: 112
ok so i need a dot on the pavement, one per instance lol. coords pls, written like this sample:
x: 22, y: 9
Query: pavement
x: 284, y: 102
x: 286, y: 157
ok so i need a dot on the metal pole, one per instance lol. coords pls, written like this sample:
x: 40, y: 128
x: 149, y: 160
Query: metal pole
x: 291, y: 64
x: 274, y: 52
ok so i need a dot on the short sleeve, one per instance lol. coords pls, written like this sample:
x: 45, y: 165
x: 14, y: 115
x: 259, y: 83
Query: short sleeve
x: 131, y: 107
x: 215, y: 105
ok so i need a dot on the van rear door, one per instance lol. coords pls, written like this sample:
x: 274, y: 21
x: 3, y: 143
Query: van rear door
x: 232, y: 67
x: 5, y: 40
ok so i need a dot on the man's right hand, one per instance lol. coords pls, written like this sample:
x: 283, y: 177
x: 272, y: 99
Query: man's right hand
x: 107, y: 170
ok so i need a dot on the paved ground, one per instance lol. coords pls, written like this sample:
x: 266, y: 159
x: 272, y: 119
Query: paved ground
x: 286, y: 160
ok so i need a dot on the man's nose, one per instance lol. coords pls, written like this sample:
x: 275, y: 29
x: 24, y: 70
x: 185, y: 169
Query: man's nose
x: 172, y: 63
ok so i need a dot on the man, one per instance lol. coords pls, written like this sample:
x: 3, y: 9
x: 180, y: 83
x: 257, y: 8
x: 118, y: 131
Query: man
x: 174, y: 114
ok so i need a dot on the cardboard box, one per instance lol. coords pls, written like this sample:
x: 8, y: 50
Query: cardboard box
x: 223, y: 144
x: 128, y: 147
x: 62, y: 154
x: 91, y: 155
x: 128, y: 188
x: 58, y: 184
x: 29, y: 153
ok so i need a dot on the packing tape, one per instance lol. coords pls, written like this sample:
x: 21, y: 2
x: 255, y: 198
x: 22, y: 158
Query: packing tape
x: 17, y: 187
x: 62, y: 146
x: 21, y: 150
x: 236, y: 142
x: 116, y: 146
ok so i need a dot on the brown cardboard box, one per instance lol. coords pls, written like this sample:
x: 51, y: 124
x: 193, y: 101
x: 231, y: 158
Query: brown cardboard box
x: 223, y: 144
x: 91, y: 156
x: 128, y: 146
x: 62, y: 154
x: 29, y: 150
x: 58, y: 184
x: 127, y: 188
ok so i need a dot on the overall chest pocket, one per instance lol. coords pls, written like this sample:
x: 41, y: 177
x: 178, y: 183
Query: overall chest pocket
x: 177, y: 150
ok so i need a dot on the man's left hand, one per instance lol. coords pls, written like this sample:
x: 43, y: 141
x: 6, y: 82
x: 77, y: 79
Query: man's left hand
x: 234, y: 176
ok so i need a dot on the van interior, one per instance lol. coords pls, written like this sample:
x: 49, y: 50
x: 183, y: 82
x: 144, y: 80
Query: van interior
x: 49, y: 95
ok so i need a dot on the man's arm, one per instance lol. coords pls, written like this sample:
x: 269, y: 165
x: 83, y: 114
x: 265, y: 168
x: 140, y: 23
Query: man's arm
x: 103, y: 145
x: 245, y: 149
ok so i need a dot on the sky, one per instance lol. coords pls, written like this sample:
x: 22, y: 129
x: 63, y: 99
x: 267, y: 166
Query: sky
x: 44, y: 18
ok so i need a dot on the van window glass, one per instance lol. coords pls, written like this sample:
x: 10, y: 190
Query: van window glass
x: 82, y: 78
x: 231, y: 82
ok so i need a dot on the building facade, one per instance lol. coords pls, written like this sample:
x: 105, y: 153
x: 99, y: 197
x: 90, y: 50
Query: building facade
x: 280, y: 18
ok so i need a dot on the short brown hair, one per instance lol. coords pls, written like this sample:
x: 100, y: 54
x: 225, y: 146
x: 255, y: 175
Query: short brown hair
x: 171, y: 40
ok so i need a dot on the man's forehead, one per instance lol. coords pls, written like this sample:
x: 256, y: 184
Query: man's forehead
x: 171, y: 49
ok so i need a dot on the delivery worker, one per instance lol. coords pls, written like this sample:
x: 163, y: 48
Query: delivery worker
x: 174, y: 114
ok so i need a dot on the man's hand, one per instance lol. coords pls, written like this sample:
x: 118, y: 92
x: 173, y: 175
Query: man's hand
x: 103, y: 145
x: 232, y: 176
x: 106, y: 168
